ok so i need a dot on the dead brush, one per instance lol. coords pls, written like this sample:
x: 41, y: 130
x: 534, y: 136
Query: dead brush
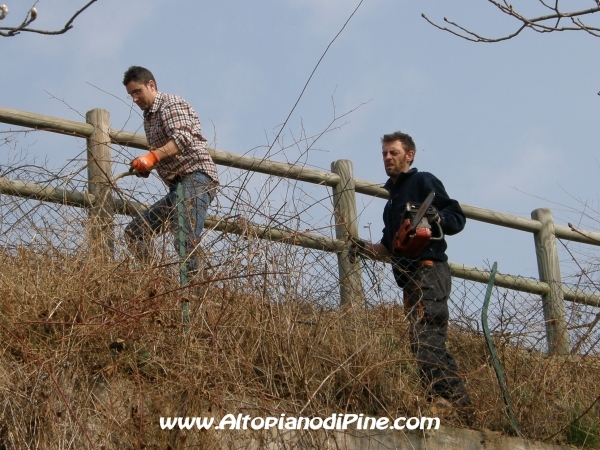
x: 63, y: 385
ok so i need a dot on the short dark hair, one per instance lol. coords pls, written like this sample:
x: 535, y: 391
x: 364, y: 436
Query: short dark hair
x: 138, y: 74
x: 407, y: 141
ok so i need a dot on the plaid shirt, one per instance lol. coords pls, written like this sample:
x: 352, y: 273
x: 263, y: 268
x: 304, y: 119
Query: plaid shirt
x: 171, y: 117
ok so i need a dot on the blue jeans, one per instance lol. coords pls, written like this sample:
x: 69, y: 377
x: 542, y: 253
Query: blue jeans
x: 198, y: 193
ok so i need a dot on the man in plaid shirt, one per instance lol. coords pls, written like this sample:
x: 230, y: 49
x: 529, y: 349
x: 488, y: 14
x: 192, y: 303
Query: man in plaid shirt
x: 178, y: 153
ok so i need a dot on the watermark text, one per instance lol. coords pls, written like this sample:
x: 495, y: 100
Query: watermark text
x: 284, y: 422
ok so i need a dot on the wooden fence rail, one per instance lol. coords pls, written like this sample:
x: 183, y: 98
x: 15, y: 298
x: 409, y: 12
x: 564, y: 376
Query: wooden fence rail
x: 133, y: 140
x: 307, y: 240
x: 99, y: 135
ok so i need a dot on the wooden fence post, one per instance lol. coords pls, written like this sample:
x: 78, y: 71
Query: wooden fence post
x: 557, y: 334
x: 99, y: 177
x: 346, y: 225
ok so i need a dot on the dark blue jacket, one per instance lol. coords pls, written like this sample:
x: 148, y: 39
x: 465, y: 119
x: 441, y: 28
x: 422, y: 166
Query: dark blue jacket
x: 413, y: 186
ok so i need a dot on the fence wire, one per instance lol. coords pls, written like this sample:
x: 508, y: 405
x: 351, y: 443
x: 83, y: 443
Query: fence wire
x: 296, y: 207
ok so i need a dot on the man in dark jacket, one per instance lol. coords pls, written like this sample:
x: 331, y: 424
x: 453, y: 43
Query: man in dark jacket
x: 425, y: 279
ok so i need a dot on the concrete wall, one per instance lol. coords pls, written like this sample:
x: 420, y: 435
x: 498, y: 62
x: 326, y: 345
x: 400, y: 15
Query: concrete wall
x: 443, y: 438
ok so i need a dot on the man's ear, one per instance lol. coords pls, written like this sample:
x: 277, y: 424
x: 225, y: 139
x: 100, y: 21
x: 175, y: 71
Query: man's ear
x: 410, y: 156
x: 151, y: 85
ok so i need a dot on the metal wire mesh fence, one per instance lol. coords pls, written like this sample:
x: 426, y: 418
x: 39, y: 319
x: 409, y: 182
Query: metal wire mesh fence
x: 271, y: 201
x: 44, y: 226
x: 517, y: 317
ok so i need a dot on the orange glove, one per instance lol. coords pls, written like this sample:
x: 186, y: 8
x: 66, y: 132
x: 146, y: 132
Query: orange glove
x: 144, y: 164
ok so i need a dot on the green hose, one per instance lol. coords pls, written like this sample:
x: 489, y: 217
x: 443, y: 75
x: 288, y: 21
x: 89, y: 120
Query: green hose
x: 185, y: 305
x: 490, y: 344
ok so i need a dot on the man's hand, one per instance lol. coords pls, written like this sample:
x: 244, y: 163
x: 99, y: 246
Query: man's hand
x: 435, y: 218
x: 142, y: 165
x: 357, y: 248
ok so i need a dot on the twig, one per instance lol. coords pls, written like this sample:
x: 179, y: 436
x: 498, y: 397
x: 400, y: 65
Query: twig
x: 537, y: 24
x: 12, y: 31
x: 573, y: 421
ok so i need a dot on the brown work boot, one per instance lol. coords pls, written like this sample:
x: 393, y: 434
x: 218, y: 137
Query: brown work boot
x: 466, y: 414
x: 460, y: 409
x: 441, y: 408
x: 465, y: 410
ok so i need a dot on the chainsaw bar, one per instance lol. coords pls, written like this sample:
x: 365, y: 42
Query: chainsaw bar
x: 422, y: 211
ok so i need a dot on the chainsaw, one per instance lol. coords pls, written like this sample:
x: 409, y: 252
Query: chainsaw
x: 416, y: 230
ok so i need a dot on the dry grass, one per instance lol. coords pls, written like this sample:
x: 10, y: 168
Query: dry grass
x: 62, y: 386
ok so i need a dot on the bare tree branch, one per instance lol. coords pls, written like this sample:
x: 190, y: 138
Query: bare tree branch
x: 31, y: 16
x: 545, y: 23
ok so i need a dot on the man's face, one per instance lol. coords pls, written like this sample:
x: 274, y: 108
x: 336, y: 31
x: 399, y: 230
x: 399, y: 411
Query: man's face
x: 142, y: 94
x: 395, y: 159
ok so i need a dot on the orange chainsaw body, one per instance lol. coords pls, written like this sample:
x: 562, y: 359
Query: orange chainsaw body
x: 410, y: 240
x: 409, y: 243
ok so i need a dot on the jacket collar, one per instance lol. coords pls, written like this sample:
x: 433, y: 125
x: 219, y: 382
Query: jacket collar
x: 389, y: 184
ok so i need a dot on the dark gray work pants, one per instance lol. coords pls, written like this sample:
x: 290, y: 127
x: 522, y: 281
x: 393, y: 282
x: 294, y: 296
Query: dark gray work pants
x: 426, y: 304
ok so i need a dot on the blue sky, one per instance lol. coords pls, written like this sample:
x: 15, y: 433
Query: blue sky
x: 509, y: 126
